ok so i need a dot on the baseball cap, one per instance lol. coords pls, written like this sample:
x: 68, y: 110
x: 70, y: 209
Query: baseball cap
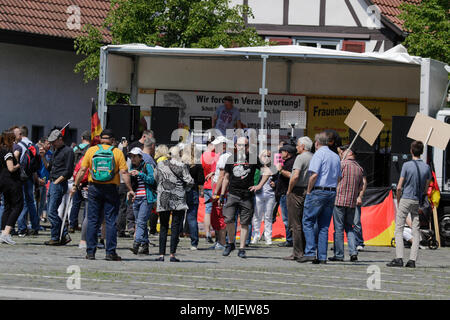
x: 54, y: 135
x: 107, y: 132
x: 289, y: 148
x: 136, y: 151
x: 220, y: 139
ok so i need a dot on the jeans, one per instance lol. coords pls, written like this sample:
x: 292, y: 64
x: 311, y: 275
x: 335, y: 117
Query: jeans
x: 141, y: 209
x: 191, y: 215
x: 284, y: 214
x: 357, y: 229
x: 43, y: 201
x: 343, y: 218
x: 76, y: 203
x: 56, y: 193
x: 318, y: 208
x: 29, y: 207
x: 103, y: 203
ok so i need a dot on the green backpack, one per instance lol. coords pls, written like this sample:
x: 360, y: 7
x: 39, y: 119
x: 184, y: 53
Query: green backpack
x: 103, y: 164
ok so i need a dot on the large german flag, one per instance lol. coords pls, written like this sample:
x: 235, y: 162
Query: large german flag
x: 377, y: 217
x: 96, y: 127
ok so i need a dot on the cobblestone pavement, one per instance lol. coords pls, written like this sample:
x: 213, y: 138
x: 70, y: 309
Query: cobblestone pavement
x: 32, y: 270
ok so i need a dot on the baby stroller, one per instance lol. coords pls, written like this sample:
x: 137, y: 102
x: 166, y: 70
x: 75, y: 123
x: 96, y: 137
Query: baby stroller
x: 427, y: 235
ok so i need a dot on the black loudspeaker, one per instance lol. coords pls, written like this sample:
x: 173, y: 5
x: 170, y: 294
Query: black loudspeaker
x: 396, y: 162
x: 123, y: 119
x: 400, y: 128
x: 367, y: 162
x: 164, y: 121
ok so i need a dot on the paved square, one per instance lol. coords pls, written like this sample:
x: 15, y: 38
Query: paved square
x: 31, y: 270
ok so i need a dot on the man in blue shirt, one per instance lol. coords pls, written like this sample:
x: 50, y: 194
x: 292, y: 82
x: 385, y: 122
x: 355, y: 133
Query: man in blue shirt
x: 325, y: 173
x: 412, y: 186
x: 226, y: 116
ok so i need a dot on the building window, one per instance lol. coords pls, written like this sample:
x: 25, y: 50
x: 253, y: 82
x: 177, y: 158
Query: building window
x: 319, y: 43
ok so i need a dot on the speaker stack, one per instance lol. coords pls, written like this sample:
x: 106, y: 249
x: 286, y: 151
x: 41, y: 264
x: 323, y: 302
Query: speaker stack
x: 400, y: 149
x: 123, y: 119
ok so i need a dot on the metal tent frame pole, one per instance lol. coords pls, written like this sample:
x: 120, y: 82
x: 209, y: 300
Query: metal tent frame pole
x: 263, y: 92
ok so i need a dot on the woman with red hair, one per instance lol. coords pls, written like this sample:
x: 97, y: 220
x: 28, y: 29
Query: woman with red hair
x: 10, y: 186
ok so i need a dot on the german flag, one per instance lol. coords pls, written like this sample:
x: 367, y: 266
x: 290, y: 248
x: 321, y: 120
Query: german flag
x: 434, y: 195
x: 96, y: 127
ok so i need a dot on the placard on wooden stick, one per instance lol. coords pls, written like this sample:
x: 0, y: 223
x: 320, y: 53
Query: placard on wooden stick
x: 356, y: 118
x: 421, y: 127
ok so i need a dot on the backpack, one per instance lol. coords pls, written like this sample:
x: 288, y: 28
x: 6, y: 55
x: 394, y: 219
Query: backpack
x: 103, y: 164
x: 77, y: 168
x: 79, y: 153
x: 30, y: 161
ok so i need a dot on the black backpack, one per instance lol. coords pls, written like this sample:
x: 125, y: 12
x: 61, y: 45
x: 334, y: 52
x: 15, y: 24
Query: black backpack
x: 79, y: 153
x: 30, y: 161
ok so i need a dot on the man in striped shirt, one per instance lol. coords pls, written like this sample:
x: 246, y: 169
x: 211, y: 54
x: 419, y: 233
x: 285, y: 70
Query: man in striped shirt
x: 349, y: 193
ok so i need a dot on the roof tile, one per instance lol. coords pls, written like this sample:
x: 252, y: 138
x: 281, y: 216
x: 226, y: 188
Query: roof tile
x: 390, y: 9
x: 49, y: 17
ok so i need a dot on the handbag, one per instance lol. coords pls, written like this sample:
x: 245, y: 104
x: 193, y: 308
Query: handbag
x: 178, y: 177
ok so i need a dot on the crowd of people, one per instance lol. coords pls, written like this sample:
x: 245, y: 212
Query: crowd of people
x: 128, y: 188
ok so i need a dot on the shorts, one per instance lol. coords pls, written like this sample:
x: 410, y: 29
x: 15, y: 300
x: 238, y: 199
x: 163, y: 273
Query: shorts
x: 207, y: 195
x: 217, y: 218
x: 245, y: 207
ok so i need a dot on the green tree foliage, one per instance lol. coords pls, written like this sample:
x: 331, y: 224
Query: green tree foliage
x: 167, y: 23
x: 428, y: 27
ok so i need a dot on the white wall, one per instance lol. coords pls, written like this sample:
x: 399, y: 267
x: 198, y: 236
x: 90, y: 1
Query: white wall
x: 266, y: 11
x: 337, y: 14
x: 307, y: 78
x: 304, y: 12
x: 38, y: 87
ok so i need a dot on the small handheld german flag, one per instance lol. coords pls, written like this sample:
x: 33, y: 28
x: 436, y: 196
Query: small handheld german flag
x: 96, y: 127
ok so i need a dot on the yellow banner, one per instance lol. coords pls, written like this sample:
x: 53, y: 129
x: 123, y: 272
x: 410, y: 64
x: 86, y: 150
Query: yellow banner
x: 330, y: 113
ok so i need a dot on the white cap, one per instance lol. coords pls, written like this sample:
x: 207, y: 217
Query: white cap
x: 220, y: 139
x: 136, y: 151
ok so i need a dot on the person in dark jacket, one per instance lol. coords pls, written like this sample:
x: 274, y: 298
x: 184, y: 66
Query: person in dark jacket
x: 10, y: 187
x: 192, y: 196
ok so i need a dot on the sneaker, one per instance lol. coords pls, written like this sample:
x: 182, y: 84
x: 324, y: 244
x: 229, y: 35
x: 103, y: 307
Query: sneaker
x: 286, y: 244
x: 228, y: 249
x: 209, y: 239
x: 354, y: 258
x: 65, y: 240
x: 241, y: 254
x: 173, y: 259
x: 90, y: 256
x: 144, y: 249
x: 101, y: 244
x: 7, y: 239
x: 268, y: 242
x: 23, y: 234
x: 410, y: 264
x: 193, y: 248
x: 255, y: 240
x: 14, y: 233
x: 395, y: 263
x: 113, y: 257
x: 134, y: 248
x: 360, y: 248
x: 317, y: 261
x: 52, y: 243
x: 34, y: 233
x: 82, y: 246
x: 218, y: 246
x: 422, y: 247
x: 336, y: 259
x: 306, y: 259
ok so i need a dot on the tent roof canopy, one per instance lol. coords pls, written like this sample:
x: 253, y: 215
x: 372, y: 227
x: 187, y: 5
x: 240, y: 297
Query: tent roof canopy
x: 395, y: 55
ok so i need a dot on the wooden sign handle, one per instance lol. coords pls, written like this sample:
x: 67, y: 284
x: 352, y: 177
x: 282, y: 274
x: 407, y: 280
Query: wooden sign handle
x: 354, y: 139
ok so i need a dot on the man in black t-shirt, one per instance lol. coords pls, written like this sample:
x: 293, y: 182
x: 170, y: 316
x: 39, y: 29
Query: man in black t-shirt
x: 239, y: 177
